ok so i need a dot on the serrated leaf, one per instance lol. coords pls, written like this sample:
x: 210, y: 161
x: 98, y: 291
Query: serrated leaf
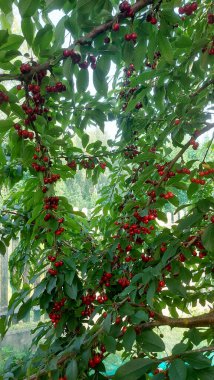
x: 82, y: 80
x: 208, y: 238
x: 165, y: 48
x: 129, y: 338
x: 177, y: 370
x: 28, y: 29
x: 134, y: 369
x: 27, y: 8
x: 110, y: 344
x: 72, y: 370
x: 151, y: 342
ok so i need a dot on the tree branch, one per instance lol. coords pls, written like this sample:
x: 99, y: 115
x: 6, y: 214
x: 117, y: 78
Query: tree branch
x: 204, y: 320
x: 81, y: 41
x: 185, y: 147
x: 205, y: 85
x: 108, y: 25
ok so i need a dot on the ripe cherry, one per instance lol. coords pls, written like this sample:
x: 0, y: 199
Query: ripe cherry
x: 116, y: 27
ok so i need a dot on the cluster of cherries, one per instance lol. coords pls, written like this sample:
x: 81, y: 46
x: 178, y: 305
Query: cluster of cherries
x: 198, y: 181
x: 183, y: 170
x: 51, y: 203
x: 161, y: 171
x: 123, y: 282
x: 105, y: 279
x: 206, y: 172
x: 153, y: 65
x: 56, y: 314
x: 188, y: 9
x: 97, y: 357
x: 209, y: 49
x: 152, y: 19
x: 86, y: 164
x: 197, y: 243
x: 58, y: 87
x: 23, y: 133
x: 131, y: 37
x: 167, y: 195
x: 3, y: 98
x: 51, y: 178
x: 194, y: 144
x: 125, y: 6
x: 57, y: 264
x: 88, y: 302
x: 131, y: 151
x: 76, y: 59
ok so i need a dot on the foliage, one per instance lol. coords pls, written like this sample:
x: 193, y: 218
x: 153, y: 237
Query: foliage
x: 108, y: 282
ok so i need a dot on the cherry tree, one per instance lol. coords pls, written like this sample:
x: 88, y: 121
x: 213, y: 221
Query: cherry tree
x: 109, y: 284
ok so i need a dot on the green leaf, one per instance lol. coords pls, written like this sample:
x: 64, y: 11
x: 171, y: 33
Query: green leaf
x: 43, y: 38
x: 5, y: 125
x: 189, y: 221
x: 71, y: 290
x: 206, y: 374
x: 3, y: 36
x: 129, y: 338
x: 6, y: 6
x: 27, y: 8
x: 24, y: 309
x: 2, y: 248
x: 150, y: 293
x: 197, y: 360
x: 85, y: 140
x: 152, y: 342
x: 82, y: 80
x: 208, y: 238
x: 72, y: 370
x: 107, y: 323
x: 99, y: 80
x: 28, y: 29
x: 2, y: 325
x: 165, y: 48
x: 177, y: 370
x: 179, y: 348
x: 134, y: 369
x: 14, y: 41
x: 110, y: 344
x: 176, y: 287
x: 183, y: 42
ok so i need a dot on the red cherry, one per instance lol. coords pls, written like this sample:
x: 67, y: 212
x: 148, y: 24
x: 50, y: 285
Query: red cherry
x: 116, y: 27
x: 151, y: 314
x: 153, y: 21
x: 97, y: 359
x: 118, y: 320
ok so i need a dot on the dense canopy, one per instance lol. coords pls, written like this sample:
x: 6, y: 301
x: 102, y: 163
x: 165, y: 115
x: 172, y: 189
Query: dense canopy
x: 106, y: 285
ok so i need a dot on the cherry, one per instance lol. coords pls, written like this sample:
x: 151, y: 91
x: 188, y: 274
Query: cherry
x: 107, y: 40
x: 116, y: 27
x: 210, y: 18
x: 52, y: 272
x: 138, y: 106
x: 25, y: 68
x: 67, y: 53
x: 97, y: 359
x: 177, y: 121
x: 161, y: 283
x: 151, y: 314
x: 153, y: 21
x: 128, y: 37
x: 118, y: 320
